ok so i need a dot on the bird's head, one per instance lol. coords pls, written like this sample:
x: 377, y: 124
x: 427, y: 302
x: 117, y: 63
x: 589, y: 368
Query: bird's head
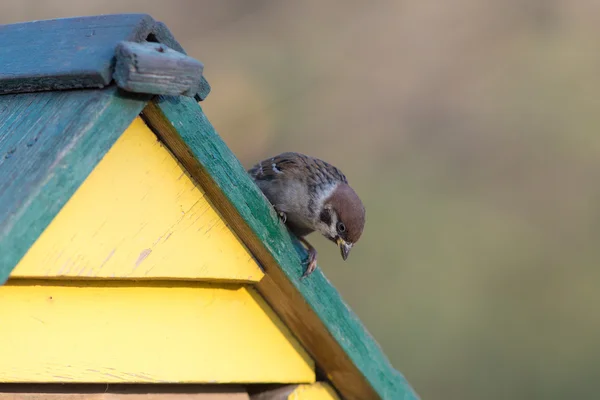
x: 342, y: 218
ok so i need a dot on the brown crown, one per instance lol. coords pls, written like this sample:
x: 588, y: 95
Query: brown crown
x: 349, y: 209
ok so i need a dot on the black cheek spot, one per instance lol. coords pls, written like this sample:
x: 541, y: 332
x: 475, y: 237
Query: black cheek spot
x: 325, y: 217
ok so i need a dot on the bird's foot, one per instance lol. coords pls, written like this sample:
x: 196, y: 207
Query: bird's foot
x: 311, y: 260
x: 282, y: 215
x: 311, y: 265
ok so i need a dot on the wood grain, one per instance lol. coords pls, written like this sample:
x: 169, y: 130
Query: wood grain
x: 138, y: 215
x: 65, y: 53
x: 159, y: 332
x: 312, y: 308
x: 162, y: 34
x: 74, y: 53
x: 157, y: 69
x: 49, y: 144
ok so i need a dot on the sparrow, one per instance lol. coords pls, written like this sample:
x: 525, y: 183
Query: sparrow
x: 311, y: 195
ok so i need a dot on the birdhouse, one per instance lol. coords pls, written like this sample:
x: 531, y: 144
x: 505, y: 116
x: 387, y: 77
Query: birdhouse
x: 137, y: 258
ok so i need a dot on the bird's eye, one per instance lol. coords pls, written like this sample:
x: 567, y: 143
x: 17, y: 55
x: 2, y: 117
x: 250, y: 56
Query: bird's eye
x: 341, y: 227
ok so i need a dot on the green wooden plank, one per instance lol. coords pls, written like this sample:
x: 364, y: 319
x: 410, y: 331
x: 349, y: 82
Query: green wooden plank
x: 199, y: 140
x: 49, y: 143
x: 65, y: 53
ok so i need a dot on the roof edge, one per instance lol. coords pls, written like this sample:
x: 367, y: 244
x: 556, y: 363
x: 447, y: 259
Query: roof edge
x: 56, y: 157
x: 311, y: 307
x: 74, y: 53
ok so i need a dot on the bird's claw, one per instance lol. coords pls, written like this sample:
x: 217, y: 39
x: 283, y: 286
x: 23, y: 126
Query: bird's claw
x: 282, y: 216
x: 311, y: 264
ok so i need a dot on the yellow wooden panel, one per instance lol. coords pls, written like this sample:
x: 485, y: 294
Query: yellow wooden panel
x: 161, y: 332
x: 316, y: 391
x: 139, y: 215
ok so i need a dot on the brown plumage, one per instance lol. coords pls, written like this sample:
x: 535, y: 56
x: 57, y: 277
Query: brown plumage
x: 312, y: 195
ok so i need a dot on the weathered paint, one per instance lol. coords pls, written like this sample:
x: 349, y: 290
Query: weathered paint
x: 78, y: 127
x: 139, y: 216
x: 49, y: 143
x: 155, y: 68
x: 159, y: 332
x: 311, y: 307
x: 65, y: 53
x: 162, y: 34
x: 74, y: 53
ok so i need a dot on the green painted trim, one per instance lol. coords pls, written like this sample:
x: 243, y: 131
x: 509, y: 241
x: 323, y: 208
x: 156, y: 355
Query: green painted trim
x: 204, y: 144
x: 49, y: 143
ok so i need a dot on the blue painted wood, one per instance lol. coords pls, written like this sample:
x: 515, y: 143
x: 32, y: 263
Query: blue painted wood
x: 49, y: 143
x: 311, y: 307
x: 65, y: 53
x: 155, y: 68
x: 73, y: 53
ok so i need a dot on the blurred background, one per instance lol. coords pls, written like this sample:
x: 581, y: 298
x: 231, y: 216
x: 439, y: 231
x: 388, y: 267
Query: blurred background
x: 471, y: 129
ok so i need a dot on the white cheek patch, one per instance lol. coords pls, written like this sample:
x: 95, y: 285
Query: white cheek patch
x: 329, y: 230
x: 334, y: 221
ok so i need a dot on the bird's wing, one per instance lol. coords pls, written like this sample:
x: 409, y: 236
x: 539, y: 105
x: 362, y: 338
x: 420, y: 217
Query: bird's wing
x: 282, y: 166
x: 295, y: 165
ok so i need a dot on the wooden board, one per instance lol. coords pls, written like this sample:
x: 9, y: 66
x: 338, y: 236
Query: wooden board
x: 314, y: 391
x: 123, y: 396
x: 162, y: 34
x: 49, y: 143
x: 28, y: 391
x: 138, y: 216
x: 74, y: 53
x: 65, y: 52
x: 312, y: 308
x: 159, y: 333
x: 156, y: 68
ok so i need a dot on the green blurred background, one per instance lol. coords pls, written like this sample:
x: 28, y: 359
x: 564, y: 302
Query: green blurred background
x: 471, y: 131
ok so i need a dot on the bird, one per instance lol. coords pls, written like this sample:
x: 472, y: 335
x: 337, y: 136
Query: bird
x: 311, y: 195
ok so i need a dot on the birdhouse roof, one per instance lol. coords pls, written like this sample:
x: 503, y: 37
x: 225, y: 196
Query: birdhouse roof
x: 74, y: 53
x: 61, y: 111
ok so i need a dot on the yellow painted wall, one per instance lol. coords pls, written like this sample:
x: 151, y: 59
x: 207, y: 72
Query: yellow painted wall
x: 311, y: 391
x: 138, y: 215
x: 138, y: 279
x: 150, y: 332
x: 315, y: 391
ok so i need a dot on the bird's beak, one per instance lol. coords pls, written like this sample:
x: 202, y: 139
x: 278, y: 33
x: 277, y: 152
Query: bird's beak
x: 345, y: 247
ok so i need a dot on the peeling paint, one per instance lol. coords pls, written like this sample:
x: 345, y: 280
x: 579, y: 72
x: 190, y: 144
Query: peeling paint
x: 143, y: 255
